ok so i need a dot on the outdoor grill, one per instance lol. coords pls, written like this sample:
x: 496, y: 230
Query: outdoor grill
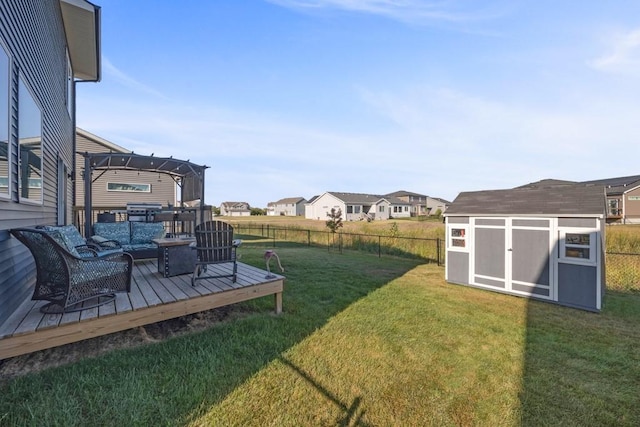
x: 142, y: 212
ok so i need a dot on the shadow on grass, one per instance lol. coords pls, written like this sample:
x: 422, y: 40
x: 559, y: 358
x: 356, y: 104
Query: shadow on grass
x: 582, y: 368
x: 176, y: 381
x: 352, y: 413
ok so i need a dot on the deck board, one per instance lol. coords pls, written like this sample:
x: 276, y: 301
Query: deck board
x: 152, y: 298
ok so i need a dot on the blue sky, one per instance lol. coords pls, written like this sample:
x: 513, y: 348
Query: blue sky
x: 285, y: 98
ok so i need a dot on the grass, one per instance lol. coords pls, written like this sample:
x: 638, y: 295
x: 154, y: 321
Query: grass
x: 362, y: 341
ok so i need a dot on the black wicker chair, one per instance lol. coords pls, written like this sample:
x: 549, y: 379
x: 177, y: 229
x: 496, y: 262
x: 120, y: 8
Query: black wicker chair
x: 71, y: 283
x: 215, y: 245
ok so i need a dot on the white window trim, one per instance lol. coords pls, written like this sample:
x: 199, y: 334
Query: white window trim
x: 450, y: 237
x: 593, y: 236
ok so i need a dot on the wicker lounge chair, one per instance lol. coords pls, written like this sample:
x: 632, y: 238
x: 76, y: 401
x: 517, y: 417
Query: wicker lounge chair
x: 68, y: 281
x: 215, y: 245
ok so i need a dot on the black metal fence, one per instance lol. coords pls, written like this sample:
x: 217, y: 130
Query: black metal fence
x: 623, y: 271
x: 431, y: 250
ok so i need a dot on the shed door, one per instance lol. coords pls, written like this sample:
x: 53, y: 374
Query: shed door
x: 514, y: 255
x: 530, y: 260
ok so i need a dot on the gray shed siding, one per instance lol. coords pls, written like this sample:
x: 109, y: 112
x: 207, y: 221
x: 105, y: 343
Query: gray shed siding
x: 545, y: 243
x: 32, y: 32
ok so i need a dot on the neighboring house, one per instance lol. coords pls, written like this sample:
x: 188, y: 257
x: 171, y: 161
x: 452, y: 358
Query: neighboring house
x: 357, y: 207
x: 45, y: 47
x: 292, y: 206
x: 435, y: 204
x: 420, y: 204
x: 623, y: 196
x: 271, y: 209
x: 235, y: 209
x: 115, y: 188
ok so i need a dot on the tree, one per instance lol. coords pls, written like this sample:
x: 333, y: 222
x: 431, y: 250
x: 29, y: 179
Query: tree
x: 335, y: 220
x: 258, y: 211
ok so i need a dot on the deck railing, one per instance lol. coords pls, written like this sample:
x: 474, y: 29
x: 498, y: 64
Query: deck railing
x: 177, y: 220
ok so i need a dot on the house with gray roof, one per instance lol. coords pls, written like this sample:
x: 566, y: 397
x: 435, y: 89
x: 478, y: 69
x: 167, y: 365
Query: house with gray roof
x: 358, y: 206
x: 539, y: 242
x: 421, y: 205
x: 623, y: 196
x: 291, y: 206
x: 235, y: 209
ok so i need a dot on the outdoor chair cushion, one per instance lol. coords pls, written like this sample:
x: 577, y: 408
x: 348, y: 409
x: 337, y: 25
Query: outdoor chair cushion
x: 118, y: 231
x: 64, y: 241
x: 144, y: 232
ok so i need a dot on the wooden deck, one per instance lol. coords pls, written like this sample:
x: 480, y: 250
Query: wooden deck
x: 153, y: 298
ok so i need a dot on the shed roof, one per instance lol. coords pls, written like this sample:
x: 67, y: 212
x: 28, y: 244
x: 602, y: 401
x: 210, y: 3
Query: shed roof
x: 574, y: 200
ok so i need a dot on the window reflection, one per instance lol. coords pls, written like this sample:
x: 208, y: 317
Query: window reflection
x: 30, y: 140
x: 4, y: 122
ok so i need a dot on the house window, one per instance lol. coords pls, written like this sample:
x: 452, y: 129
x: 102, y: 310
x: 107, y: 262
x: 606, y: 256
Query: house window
x: 30, y: 141
x: 349, y: 209
x: 128, y: 187
x: 4, y: 124
x: 406, y: 208
x: 578, y: 246
x: 356, y: 209
x: 381, y: 208
x: 613, y: 207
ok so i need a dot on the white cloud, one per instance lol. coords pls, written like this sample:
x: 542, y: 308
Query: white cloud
x: 112, y: 72
x: 623, y: 55
x: 410, y: 11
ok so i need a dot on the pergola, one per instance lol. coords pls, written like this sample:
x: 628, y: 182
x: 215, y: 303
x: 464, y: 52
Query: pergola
x: 188, y: 176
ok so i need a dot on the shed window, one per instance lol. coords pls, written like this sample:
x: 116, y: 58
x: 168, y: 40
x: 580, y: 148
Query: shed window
x: 578, y: 246
x: 457, y: 238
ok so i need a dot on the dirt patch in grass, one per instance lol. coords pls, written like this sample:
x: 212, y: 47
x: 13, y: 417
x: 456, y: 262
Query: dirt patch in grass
x: 155, y: 332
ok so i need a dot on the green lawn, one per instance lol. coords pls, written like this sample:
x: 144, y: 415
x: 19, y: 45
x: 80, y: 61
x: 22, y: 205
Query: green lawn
x: 362, y: 341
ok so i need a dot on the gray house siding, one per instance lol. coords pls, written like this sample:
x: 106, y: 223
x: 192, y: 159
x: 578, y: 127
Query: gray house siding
x: 33, y: 35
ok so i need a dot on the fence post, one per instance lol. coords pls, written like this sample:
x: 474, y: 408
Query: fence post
x: 379, y: 246
x: 340, y: 242
x: 308, y: 237
x: 438, y: 250
x: 274, y: 237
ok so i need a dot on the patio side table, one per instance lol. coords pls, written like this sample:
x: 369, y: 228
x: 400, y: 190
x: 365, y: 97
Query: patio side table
x: 175, y: 257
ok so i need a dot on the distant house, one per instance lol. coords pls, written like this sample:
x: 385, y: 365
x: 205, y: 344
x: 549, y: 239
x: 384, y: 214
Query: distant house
x: 116, y: 188
x: 420, y: 204
x: 45, y: 48
x: 623, y: 196
x: 235, y: 209
x: 357, y: 206
x: 292, y: 206
x: 271, y: 209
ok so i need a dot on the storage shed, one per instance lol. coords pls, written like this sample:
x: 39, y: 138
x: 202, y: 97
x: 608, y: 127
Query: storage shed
x: 541, y: 242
